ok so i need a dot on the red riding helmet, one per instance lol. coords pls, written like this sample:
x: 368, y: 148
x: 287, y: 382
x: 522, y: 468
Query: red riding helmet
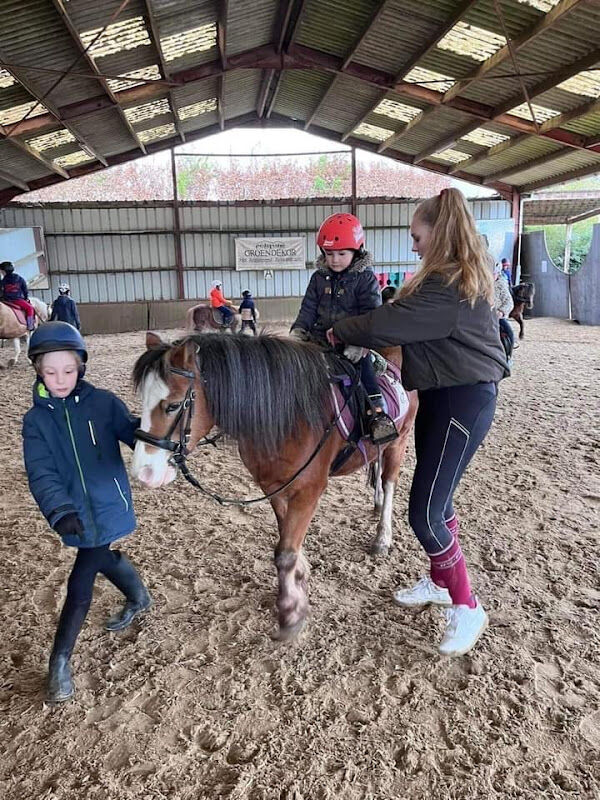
x: 341, y: 232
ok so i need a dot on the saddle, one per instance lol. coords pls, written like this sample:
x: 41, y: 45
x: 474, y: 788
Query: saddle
x: 218, y: 318
x: 350, y: 406
x: 18, y: 312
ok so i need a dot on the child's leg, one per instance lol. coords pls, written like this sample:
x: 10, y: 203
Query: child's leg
x: 369, y: 381
x: 73, y: 614
x: 121, y: 572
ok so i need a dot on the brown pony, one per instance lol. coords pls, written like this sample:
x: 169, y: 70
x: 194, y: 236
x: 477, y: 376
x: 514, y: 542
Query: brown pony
x: 201, y: 318
x: 523, y: 298
x: 283, y: 426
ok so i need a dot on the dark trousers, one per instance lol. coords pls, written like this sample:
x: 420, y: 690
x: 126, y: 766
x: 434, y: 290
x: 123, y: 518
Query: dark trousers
x: 226, y: 313
x: 368, y: 377
x: 88, y: 563
x: 450, y: 425
x: 249, y: 323
x: 506, y: 327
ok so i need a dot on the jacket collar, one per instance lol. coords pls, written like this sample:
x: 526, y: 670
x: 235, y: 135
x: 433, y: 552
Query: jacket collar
x: 359, y: 265
x: 43, y: 398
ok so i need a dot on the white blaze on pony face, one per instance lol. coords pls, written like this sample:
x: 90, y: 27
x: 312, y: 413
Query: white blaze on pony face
x: 150, y: 464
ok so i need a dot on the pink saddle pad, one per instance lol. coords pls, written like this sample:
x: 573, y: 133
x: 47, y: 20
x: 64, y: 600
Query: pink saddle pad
x: 392, y: 390
x: 18, y: 312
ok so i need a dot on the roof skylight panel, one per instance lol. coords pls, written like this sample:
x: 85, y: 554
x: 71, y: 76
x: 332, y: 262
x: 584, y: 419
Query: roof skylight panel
x: 148, y: 110
x: 47, y: 141
x: 196, y: 109
x: 16, y: 113
x: 373, y: 132
x: 541, y: 5
x: 119, y: 36
x: 6, y: 79
x: 194, y: 40
x: 586, y: 83
x: 395, y: 110
x: 471, y: 41
x: 151, y: 73
x: 160, y: 132
x: 542, y: 114
x: 485, y: 138
x: 72, y: 159
x: 430, y: 79
x: 454, y: 156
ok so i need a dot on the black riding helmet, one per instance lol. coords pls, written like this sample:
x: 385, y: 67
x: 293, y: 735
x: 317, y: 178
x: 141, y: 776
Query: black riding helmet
x: 7, y: 266
x: 53, y: 336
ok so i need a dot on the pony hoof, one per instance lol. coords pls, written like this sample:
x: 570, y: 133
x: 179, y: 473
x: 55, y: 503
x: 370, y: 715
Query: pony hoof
x: 379, y: 549
x: 287, y: 633
x: 12, y: 362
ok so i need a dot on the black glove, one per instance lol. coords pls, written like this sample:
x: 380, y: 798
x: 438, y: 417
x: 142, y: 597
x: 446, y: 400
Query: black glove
x: 70, y: 524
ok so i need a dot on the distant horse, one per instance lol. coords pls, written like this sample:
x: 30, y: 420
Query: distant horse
x: 12, y: 328
x: 523, y: 298
x: 201, y: 318
x: 284, y: 426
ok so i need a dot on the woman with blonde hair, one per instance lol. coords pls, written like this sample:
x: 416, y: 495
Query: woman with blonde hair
x: 444, y: 319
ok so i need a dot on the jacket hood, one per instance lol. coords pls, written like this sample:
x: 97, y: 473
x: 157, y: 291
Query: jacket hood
x: 43, y: 398
x: 358, y: 265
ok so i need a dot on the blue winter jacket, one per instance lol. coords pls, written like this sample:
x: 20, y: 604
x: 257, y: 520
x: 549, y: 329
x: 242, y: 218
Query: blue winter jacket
x: 65, y: 310
x: 74, y: 463
x: 14, y: 287
x: 331, y: 296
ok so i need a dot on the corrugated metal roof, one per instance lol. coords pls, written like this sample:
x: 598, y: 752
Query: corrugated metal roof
x: 557, y: 208
x: 363, y: 44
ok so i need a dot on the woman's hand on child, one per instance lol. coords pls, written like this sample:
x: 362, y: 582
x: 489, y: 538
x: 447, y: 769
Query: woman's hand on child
x: 69, y: 525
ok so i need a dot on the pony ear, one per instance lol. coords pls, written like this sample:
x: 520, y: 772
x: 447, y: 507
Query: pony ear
x: 153, y: 340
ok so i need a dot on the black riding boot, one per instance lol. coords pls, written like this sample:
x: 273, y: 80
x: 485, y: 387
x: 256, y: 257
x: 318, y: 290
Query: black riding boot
x: 382, y: 428
x: 60, y: 684
x: 125, y: 577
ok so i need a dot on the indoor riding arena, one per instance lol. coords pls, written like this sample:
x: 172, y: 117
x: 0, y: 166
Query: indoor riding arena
x: 198, y: 698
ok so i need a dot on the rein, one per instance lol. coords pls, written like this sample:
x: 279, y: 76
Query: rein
x: 180, y: 449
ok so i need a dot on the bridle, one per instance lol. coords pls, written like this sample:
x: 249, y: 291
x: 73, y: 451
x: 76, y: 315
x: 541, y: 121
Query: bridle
x: 180, y: 451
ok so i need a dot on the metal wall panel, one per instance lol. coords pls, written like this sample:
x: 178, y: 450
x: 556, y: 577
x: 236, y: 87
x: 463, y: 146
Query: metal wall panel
x: 126, y: 252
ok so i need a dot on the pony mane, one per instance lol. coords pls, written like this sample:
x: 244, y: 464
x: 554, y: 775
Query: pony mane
x: 259, y: 390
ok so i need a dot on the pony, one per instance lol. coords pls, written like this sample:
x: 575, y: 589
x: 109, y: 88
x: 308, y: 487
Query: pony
x: 202, y: 318
x: 523, y: 298
x: 284, y: 427
x: 12, y: 328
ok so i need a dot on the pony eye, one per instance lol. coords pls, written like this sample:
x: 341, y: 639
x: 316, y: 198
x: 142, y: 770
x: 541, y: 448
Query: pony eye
x: 172, y: 407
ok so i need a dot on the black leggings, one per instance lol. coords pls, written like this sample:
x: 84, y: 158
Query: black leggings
x: 88, y: 563
x: 450, y: 425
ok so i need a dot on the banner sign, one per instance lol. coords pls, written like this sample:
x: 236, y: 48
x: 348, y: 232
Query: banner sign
x: 271, y: 253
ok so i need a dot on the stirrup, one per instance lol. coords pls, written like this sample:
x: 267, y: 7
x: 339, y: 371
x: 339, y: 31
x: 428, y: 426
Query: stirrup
x: 382, y: 428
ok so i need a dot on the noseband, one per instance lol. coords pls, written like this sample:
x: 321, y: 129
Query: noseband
x: 180, y: 450
x: 183, y: 419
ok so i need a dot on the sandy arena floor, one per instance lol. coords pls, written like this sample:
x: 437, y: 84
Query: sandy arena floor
x: 197, y: 701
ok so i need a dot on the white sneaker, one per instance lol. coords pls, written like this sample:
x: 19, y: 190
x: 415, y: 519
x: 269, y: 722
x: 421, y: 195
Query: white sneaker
x: 464, y: 626
x: 423, y: 593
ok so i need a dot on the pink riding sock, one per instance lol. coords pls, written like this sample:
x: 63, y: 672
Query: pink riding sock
x: 450, y: 571
x: 452, y: 525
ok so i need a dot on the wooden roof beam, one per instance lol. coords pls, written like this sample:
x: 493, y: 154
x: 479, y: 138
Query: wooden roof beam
x: 14, y: 180
x: 558, y: 13
x: 289, y: 19
x: 28, y: 150
x: 52, y: 109
x: 493, y: 151
x: 74, y: 33
x: 416, y: 57
x: 152, y: 27
x: 558, y: 179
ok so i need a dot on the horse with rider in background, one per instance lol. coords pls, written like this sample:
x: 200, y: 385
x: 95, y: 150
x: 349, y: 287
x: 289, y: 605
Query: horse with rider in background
x: 13, y: 324
x: 523, y: 294
x: 288, y: 428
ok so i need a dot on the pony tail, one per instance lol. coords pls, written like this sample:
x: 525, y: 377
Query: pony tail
x: 457, y: 251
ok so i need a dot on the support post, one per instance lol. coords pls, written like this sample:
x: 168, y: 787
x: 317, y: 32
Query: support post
x: 353, y: 175
x: 568, y: 240
x: 177, y: 230
x: 517, y: 215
